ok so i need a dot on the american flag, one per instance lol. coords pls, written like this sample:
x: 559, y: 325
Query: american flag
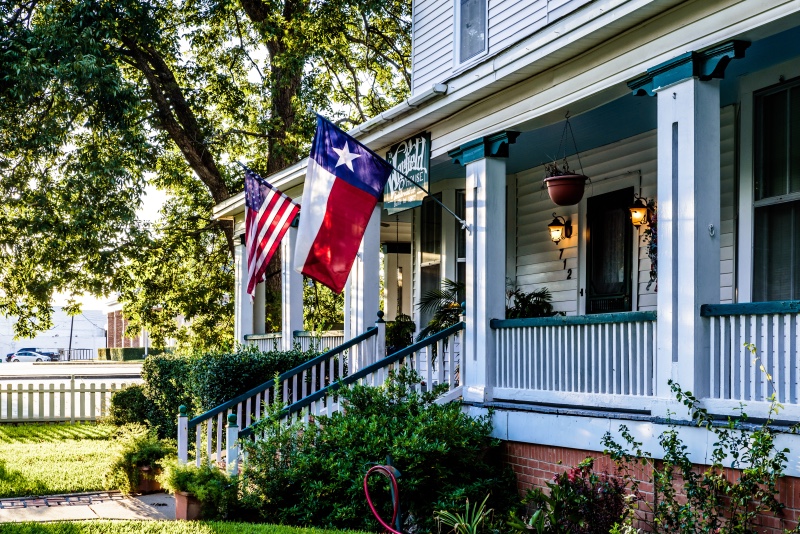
x: 268, y: 214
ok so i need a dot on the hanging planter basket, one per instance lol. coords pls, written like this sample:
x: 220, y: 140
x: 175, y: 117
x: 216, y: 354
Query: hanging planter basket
x: 567, y: 189
x: 565, y: 186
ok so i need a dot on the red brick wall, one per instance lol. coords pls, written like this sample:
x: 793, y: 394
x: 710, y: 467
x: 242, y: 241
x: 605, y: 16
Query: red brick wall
x: 535, y: 465
x: 116, y: 331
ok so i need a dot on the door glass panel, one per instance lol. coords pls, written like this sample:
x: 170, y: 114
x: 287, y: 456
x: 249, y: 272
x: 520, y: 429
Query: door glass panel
x: 609, y: 252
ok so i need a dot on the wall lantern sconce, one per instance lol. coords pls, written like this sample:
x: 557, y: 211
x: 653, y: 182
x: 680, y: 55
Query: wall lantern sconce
x: 639, y: 211
x: 560, y: 228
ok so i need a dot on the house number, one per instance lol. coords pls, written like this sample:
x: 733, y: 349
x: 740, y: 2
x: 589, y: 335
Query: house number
x: 569, y: 274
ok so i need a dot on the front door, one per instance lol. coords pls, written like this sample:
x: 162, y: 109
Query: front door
x: 609, y: 249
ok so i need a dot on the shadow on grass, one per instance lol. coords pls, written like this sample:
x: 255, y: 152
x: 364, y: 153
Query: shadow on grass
x: 15, y: 484
x: 38, y: 433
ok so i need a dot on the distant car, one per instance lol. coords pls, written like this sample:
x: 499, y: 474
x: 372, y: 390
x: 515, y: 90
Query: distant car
x: 29, y: 356
x: 9, y: 355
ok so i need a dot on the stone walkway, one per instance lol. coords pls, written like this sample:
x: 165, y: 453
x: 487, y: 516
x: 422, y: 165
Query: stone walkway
x: 80, y: 506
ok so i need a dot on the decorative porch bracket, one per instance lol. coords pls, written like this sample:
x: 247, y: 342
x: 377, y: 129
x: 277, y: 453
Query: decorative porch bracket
x: 490, y: 146
x: 705, y: 65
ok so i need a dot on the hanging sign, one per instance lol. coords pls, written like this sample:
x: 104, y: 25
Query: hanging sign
x: 413, y: 158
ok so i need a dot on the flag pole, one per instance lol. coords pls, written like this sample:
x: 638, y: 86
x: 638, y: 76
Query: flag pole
x: 464, y: 225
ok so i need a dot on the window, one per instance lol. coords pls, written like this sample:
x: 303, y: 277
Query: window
x: 472, y: 28
x: 430, y: 250
x: 609, y: 248
x: 461, y: 243
x: 776, y: 241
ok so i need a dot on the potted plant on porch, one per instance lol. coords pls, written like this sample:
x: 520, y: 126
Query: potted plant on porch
x: 564, y: 185
x: 203, y: 492
x: 137, y: 464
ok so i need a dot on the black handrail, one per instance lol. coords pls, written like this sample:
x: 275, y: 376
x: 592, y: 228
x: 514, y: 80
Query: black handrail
x: 569, y: 320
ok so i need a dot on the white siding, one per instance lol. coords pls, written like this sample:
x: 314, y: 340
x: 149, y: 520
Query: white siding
x: 509, y: 21
x: 433, y: 42
x: 540, y: 263
x: 727, y: 212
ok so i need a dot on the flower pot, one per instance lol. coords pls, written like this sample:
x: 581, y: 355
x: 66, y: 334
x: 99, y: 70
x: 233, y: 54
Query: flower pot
x: 147, y: 480
x: 566, y: 190
x: 187, y: 507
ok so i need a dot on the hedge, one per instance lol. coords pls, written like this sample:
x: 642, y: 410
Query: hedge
x: 118, y: 354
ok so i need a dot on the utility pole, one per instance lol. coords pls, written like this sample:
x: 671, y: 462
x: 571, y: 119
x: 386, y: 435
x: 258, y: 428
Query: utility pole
x: 69, y: 351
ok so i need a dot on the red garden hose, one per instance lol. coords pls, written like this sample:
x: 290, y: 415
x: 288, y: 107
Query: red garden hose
x: 388, y: 472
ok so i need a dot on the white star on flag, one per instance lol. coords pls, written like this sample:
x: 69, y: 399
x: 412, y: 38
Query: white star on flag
x: 345, y: 156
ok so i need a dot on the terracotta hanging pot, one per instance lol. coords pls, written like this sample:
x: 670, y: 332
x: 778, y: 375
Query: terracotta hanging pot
x: 566, y: 189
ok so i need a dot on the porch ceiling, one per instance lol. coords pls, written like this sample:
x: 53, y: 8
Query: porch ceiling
x: 626, y: 116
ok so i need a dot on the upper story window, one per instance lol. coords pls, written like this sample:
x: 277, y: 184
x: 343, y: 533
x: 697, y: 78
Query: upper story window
x: 472, y: 28
x: 776, y: 241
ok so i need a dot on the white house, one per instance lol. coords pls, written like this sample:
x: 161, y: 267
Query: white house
x: 694, y: 105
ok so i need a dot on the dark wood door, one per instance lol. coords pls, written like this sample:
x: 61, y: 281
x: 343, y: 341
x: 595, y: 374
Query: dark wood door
x: 609, y: 249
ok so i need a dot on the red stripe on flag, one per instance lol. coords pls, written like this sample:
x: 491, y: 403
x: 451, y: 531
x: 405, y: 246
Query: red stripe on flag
x: 334, y: 249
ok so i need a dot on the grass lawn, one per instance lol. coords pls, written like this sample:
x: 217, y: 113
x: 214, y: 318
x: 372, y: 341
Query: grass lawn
x: 157, y: 527
x: 50, y: 459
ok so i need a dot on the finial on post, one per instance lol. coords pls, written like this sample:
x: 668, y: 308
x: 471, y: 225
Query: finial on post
x: 231, y: 419
x: 380, y: 317
x: 182, y: 410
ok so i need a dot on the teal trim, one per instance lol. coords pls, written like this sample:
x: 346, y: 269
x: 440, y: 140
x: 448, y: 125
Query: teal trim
x: 705, y: 65
x: 490, y: 146
x: 255, y: 337
x: 361, y: 373
x: 561, y: 320
x: 750, y: 308
x: 371, y: 331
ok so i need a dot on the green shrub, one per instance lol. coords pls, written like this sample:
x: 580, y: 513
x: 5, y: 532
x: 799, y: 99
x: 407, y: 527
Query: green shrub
x: 166, y: 385
x: 130, y: 405
x: 712, y: 499
x: 119, y: 354
x: 218, y: 377
x: 537, y: 303
x: 139, y: 447
x: 312, y: 474
x: 203, y: 381
x: 209, y: 484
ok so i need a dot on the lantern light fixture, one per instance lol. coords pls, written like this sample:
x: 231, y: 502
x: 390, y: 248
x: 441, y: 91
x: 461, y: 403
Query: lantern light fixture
x: 560, y: 229
x: 639, y: 211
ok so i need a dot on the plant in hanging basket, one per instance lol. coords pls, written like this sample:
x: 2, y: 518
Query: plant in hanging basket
x: 564, y: 186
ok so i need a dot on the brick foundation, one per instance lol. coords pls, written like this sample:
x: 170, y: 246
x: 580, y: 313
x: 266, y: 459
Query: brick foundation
x: 535, y: 465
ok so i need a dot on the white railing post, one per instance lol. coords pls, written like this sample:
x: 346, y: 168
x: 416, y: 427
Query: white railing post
x: 380, y: 338
x: 232, y: 440
x: 183, y: 435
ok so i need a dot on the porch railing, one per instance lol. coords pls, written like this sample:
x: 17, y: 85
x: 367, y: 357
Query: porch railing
x: 735, y: 373
x: 291, y: 387
x: 320, y: 341
x: 443, y: 369
x: 570, y: 359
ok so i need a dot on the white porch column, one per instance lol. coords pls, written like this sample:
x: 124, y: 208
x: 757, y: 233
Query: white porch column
x: 362, y: 291
x: 486, y: 242
x: 243, y: 307
x: 291, y: 291
x: 259, y: 309
x: 688, y: 230
x: 688, y: 209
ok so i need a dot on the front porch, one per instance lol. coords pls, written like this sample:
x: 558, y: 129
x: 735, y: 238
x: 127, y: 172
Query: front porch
x: 608, y: 362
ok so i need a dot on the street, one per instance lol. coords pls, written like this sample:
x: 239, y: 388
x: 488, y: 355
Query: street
x: 31, y: 370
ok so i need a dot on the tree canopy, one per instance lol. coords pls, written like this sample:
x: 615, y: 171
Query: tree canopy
x: 101, y: 97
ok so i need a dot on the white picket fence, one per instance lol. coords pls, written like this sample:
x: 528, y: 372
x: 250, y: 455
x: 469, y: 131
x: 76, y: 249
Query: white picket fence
x: 735, y: 373
x: 567, y: 359
x: 70, y: 401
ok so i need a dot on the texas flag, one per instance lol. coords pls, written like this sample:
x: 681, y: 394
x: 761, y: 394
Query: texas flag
x: 344, y: 181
